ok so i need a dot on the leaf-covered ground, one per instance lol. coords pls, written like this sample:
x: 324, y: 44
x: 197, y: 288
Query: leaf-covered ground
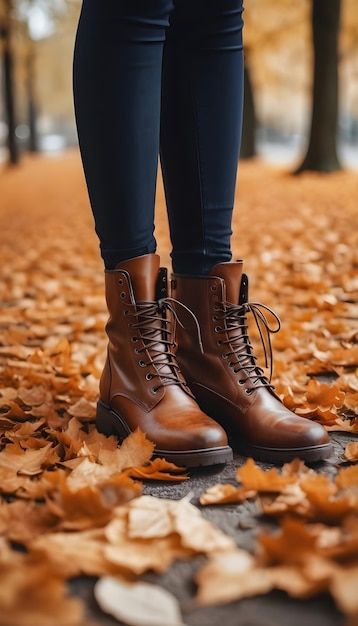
x: 70, y: 499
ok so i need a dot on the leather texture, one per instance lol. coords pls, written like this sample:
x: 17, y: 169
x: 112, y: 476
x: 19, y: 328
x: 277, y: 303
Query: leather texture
x: 221, y: 369
x: 141, y: 384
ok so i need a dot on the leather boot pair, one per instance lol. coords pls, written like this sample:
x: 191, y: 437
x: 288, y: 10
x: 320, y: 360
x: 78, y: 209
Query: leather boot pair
x: 141, y: 385
x: 221, y: 369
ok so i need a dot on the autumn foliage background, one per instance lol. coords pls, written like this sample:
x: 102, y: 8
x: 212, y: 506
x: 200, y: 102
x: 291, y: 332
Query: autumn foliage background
x: 74, y: 504
x: 68, y: 493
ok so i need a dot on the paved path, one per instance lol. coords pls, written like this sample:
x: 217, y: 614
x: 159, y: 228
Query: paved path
x: 242, y: 523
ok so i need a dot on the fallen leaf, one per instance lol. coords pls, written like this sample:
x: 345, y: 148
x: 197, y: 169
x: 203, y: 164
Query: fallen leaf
x: 254, y: 478
x: 231, y: 576
x: 351, y: 451
x: 31, y: 594
x: 137, y: 604
x: 29, y: 462
x: 226, y: 493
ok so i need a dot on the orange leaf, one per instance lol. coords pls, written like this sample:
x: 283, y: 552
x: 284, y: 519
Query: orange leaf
x: 256, y: 479
x: 159, y: 469
x: 290, y: 545
x: 225, y: 493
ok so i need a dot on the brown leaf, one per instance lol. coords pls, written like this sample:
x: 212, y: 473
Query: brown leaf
x: 84, y: 411
x: 29, y: 462
x: 31, y: 594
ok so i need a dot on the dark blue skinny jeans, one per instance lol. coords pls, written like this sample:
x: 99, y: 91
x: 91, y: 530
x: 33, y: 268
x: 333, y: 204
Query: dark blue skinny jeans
x: 160, y: 78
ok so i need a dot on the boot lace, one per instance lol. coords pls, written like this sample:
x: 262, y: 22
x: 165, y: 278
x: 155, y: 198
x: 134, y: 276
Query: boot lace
x: 235, y: 328
x: 154, y: 326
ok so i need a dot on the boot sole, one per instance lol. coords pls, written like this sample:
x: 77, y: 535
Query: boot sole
x: 278, y: 456
x: 109, y: 422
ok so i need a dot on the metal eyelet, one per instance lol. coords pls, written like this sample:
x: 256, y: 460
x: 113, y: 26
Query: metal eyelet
x: 241, y: 381
x: 148, y: 376
x: 218, y: 329
x: 123, y: 294
x: 126, y: 312
x: 214, y: 318
x: 225, y: 356
x: 219, y: 342
x: 120, y: 281
x: 141, y: 363
x: 134, y: 339
x: 137, y: 351
x: 249, y: 390
x: 154, y: 390
x: 213, y: 288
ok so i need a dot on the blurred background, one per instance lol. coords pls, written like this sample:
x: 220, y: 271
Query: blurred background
x: 301, y: 74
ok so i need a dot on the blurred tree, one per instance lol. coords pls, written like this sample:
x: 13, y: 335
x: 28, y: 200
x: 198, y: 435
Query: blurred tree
x: 275, y: 37
x: 322, y: 147
x: 6, y: 20
x: 38, y: 18
x: 33, y: 21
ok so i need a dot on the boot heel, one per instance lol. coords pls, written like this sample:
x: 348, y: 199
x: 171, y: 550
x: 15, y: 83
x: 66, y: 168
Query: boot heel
x: 109, y: 423
x: 104, y: 421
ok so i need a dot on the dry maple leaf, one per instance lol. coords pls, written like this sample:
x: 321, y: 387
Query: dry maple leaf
x: 91, y: 505
x: 146, y: 515
x: 136, y: 450
x: 84, y: 410
x: 325, y: 504
x: 12, y: 410
x: 231, y: 576
x: 345, y: 425
x: 351, y: 451
x: 71, y: 554
x: 292, y: 499
x: 23, y: 520
x: 226, y: 493
x: 347, y: 477
x: 324, y: 395
x: 31, y: 594
x: 289, y: 546
x: 343, y: 588
x: 29, y: 462
x: 159, y: 469
x: 254, y: 478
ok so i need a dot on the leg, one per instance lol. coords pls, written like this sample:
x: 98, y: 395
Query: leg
x: 117, y: 94
x: 202, y: 97
x: 200, y: 135
x: 117, y: 82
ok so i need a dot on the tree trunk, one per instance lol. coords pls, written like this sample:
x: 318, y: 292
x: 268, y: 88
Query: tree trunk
x: 31, y: 101
x: 322, y: 148
x: 9, y: 97
x: 248, y: 147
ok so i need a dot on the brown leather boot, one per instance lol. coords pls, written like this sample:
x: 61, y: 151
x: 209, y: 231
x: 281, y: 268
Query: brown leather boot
x: 141, y: 385
x: 222, y: 371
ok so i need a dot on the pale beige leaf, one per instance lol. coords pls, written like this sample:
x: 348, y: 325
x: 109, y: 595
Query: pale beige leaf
x: 344, y: 589
x: 137, y: 604
x: 230, y: 576
x: 351, y: 451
